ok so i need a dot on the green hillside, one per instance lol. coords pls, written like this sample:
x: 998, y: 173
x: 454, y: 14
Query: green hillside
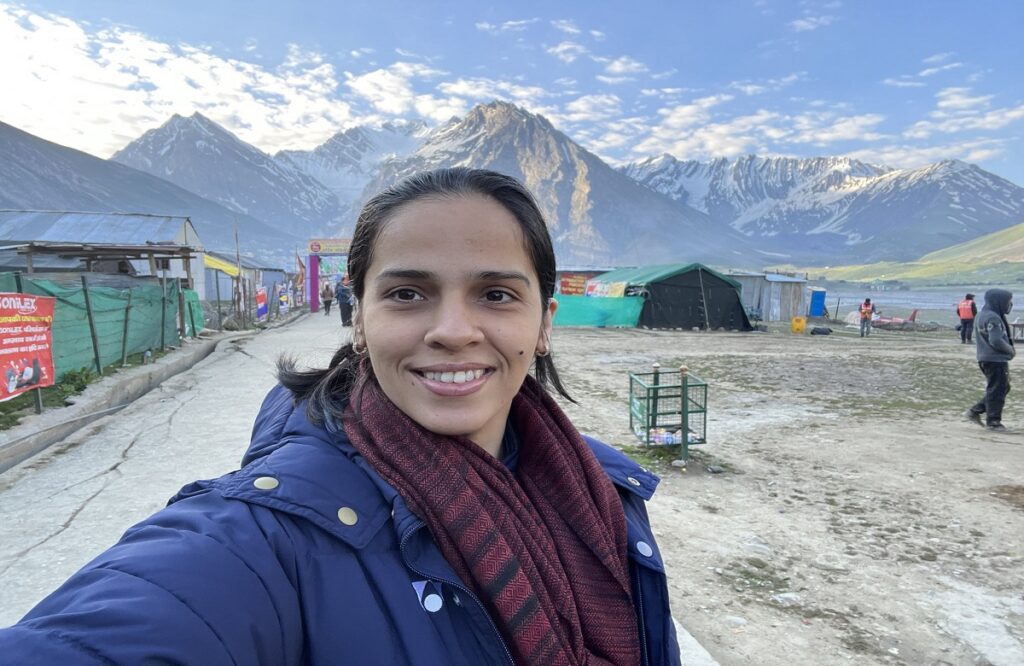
x: 996, y: 258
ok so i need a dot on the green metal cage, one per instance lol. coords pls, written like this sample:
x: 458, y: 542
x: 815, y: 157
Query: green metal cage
x: 668, y: 408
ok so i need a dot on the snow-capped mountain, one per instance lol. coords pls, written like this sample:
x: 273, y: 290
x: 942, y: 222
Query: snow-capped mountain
x: 36, y: 174
x: 347, y: 161
x: 201, y: 156
x: 596, y: 215
x: 836, y: 208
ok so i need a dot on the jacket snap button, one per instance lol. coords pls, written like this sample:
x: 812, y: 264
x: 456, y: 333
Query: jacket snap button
x: 644, y: 548
x: 632, y: 481
x: 456, y: 600
x: 266, y: 483
x: 432, y: 603
x: 347, y: 516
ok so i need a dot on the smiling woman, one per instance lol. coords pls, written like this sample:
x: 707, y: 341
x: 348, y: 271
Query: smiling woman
x: 421, y: 501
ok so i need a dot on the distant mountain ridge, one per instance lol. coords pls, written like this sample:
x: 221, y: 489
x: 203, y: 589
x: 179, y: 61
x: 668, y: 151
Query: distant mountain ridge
x: 740, y: 212
x: 201, y: 156
x: 347, y: 161
x: 36, y: 174
x: 839, y: 208
x: 596, y: 215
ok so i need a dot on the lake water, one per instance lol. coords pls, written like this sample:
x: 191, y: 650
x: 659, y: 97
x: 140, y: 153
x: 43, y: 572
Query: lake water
x: 938, y: 305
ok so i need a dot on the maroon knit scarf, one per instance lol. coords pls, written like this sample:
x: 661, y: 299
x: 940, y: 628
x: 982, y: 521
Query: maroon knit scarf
x: 544, y: 548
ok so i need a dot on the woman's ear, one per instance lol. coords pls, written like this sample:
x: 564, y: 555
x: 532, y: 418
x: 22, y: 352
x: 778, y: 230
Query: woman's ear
x: 544, y: 340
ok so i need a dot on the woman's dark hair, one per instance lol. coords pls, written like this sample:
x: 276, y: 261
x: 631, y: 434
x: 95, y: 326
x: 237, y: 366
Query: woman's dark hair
x: 327, y: 390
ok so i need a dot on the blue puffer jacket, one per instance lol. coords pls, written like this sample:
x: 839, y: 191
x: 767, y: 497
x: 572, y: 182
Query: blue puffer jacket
x: 266, y: 566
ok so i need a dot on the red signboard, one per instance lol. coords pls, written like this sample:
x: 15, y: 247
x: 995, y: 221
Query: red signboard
x: 26, y: 343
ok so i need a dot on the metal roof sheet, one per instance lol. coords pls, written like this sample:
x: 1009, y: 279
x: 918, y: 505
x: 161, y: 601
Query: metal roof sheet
x: 106, y: 228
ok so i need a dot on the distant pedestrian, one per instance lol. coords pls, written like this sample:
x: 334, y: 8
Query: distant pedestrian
x: 867, y: 309
x: 967, y: 310
x: 345, y: 300
x: 327, y: 297
x: 995, y: 349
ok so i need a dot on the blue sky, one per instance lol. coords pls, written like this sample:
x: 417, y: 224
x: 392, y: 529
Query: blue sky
x: 900, y: 83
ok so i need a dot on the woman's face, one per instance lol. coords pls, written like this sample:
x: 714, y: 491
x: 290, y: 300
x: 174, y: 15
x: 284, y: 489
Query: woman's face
x: 452, y: 316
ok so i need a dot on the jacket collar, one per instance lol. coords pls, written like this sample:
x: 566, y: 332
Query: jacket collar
x: 313, y: 471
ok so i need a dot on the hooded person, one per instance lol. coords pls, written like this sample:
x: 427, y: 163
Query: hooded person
x: 995, y: 350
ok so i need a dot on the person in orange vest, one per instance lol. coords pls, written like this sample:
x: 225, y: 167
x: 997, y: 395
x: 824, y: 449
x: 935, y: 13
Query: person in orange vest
x: 867, y: 308
x: 967, y: 310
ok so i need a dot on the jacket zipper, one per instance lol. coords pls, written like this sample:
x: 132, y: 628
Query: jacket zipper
x: 641, y: 624
x: 460, y: 586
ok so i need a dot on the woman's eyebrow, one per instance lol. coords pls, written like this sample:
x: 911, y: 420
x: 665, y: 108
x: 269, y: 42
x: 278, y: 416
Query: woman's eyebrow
x: 415, y: 274
x: 499, y: 276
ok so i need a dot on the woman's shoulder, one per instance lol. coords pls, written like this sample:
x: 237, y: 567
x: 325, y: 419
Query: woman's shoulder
x: 624, y: 472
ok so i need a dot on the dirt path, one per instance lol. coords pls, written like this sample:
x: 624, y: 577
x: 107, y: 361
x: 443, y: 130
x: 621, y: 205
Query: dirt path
x: 859, y: 520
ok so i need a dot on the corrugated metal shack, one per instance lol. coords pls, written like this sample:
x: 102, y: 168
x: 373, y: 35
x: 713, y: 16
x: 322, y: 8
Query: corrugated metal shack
x: 126, y: 243
x: 224, y: 267
x: 772, y: 296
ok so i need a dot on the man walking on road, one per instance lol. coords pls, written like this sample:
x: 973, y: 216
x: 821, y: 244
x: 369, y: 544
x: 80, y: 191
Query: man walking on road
x: 867, y: 309
x: 326, y: 298
x: 995, y: 349
x: 967, y: 311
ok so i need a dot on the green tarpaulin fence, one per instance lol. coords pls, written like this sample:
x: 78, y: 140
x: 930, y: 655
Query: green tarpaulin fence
x: 598, y: 310
x: 72, y: 340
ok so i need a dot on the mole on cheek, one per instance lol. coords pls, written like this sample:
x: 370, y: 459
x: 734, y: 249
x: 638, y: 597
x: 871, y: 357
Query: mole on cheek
x: 520, y: 352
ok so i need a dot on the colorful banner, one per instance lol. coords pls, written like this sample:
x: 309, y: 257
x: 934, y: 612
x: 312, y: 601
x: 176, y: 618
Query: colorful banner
x: 282, y: 300
x: 26, y: 343
x: 262, y: 308
x: 572, y: 284
x: 329, y: 245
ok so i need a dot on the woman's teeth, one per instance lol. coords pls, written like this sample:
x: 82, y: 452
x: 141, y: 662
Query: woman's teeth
x: 460, y: 377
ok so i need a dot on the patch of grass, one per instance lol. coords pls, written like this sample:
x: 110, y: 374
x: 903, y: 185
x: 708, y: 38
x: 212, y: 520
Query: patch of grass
x: 71, y: 384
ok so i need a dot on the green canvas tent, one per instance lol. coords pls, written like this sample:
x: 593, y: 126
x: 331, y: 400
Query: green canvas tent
x: 679, y: 296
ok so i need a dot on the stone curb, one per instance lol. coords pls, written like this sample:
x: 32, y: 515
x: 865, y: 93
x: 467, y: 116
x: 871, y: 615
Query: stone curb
x: 36, y: 433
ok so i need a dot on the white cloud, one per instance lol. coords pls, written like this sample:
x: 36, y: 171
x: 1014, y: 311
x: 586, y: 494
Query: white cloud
x: 809, y: 23
x: 985, y: 121
x: 822, y: 129
x: 625, y: 65
x: 566, y: 26
x: 909, y: 157
x: 931, y: 71
x: 597, y: 34
x: 959, y: 99
x: 126, y: 83
x: 937, y: 58
x: 766, y: 85
x: 592, y: 108
x: 613, y: 80
x: 507, y: 26
x: 664, y: 75
x: 567, y: 51
x: 390, y: 90
x: 484, y: 90
x: 903, y: 82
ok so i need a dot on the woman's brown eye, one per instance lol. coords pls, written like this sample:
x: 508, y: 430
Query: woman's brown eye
x: 498, y: 296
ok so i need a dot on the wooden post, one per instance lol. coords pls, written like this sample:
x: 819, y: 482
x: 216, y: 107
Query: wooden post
x: 163, y: 313
x: 192, y: 319
x: 152, y: 265
x: 124, y: 333
x: 187, y: 261
x: 654, y: 399
x: 684, y: 408
x: 220, y: 315
x: 92, y: 326
x: 182, y: 329
x: 28, y: 263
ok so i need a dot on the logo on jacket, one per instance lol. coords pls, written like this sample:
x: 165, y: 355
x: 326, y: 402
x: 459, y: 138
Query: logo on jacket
x: 429, y: 595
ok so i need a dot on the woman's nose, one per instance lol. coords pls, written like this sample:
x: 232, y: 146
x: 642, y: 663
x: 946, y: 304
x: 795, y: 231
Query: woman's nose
x: 454, y: 325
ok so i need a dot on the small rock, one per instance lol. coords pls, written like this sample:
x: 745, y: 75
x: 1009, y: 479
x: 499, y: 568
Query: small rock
x: 894, y: 651
x: 679, y: 463
x: 715, y: 469
x: 786, y: 599
x: 735, y: 620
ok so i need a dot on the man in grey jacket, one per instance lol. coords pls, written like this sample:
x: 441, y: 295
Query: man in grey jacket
x: 995, y: 349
